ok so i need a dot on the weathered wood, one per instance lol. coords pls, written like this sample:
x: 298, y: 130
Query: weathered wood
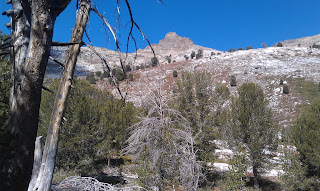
x: 36, y: 162
x: 51, y: 146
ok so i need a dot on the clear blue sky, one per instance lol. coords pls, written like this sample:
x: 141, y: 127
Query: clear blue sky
x: 219, y: 24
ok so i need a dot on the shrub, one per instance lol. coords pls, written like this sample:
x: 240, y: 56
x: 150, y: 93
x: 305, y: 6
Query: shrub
x: 131, y: 77
x: 105, y: 74
x: 233, y: 81
x: 90, y: 78
x: 316, y: 46
x: 249, y: 47
x: 138, y: 68
x: 279, y: 44
x: 240, y: 48
x: 175, y: 73
x: 186, y: 57
x: 168, y: 58
x: 285, y: 89
x: 199, y: 54
x: 231, y: 50
x: 281, y: 81
x: 114, y: 71
x: 98, y: 73
x: 192, y: 55
x: 212, y: 53
x: 111, y: 82
x: 119, y: 75
x: 127, y: 68
x: 154, y: 61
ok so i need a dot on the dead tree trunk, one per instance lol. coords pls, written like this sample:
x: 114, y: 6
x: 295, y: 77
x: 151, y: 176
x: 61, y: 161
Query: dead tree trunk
x: 32, y: 29
x: 36, y: 162
x: 51, y: 145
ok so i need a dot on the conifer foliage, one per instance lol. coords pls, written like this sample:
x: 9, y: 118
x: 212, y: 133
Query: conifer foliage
x: 306, y: 137
x: 252, y: 126
x: 95, y: 126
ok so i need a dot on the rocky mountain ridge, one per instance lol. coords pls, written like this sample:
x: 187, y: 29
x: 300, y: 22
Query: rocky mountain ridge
x: 172, y: 44
x: 264, y: 66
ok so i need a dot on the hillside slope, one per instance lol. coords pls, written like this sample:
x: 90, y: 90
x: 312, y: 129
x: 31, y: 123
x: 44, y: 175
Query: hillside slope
x: 299, y: 67
x: 302, y: 42
x: 263, y: 66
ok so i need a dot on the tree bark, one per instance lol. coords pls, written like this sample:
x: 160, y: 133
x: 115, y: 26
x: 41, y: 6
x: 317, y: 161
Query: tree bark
x: 51, y: 146
x: 255, y: 177
x: 32, y: 28
x: 32, y: 41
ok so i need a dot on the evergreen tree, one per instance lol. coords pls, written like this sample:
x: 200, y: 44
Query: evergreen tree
x: 235, y: 177
x: 154, y: 61
x: 295, y: 172
x: 201, y: 105
x: 252, y: 126
x: 306, y: 137
x: 233, y: 81
x: 199, y: 54
x: 192, y: 55
x: 5, y: 150
x: 175, y: 73
x: 95, y: 126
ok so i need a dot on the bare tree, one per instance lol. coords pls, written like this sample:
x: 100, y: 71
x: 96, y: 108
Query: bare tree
x: 162, y: 144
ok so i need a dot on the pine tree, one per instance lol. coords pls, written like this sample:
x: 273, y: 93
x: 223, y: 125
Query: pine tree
x: 235, y: 177
x: 306, y: 137
x: 252, y: 126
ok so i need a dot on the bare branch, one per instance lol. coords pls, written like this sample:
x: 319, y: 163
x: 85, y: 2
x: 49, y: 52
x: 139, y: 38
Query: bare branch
x: 104, y: 60
x: 56, y: 61
x: 47, y: 89
x: 4, y: 53
x: 114, y: 37
x: 55, y: 43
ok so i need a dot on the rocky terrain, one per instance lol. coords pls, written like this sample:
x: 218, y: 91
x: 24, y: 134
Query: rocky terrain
x: 172, y: 44
x: 302, y: 42
x: 265, y: 66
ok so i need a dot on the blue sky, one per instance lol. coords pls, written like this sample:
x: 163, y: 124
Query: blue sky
x: 218, y: 24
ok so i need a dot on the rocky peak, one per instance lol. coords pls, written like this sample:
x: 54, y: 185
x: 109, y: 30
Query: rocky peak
x: 174, y: 41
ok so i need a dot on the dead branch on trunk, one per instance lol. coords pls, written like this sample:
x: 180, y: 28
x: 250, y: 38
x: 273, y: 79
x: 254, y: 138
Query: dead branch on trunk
x: 56, y: 61
x: 55, y: 43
